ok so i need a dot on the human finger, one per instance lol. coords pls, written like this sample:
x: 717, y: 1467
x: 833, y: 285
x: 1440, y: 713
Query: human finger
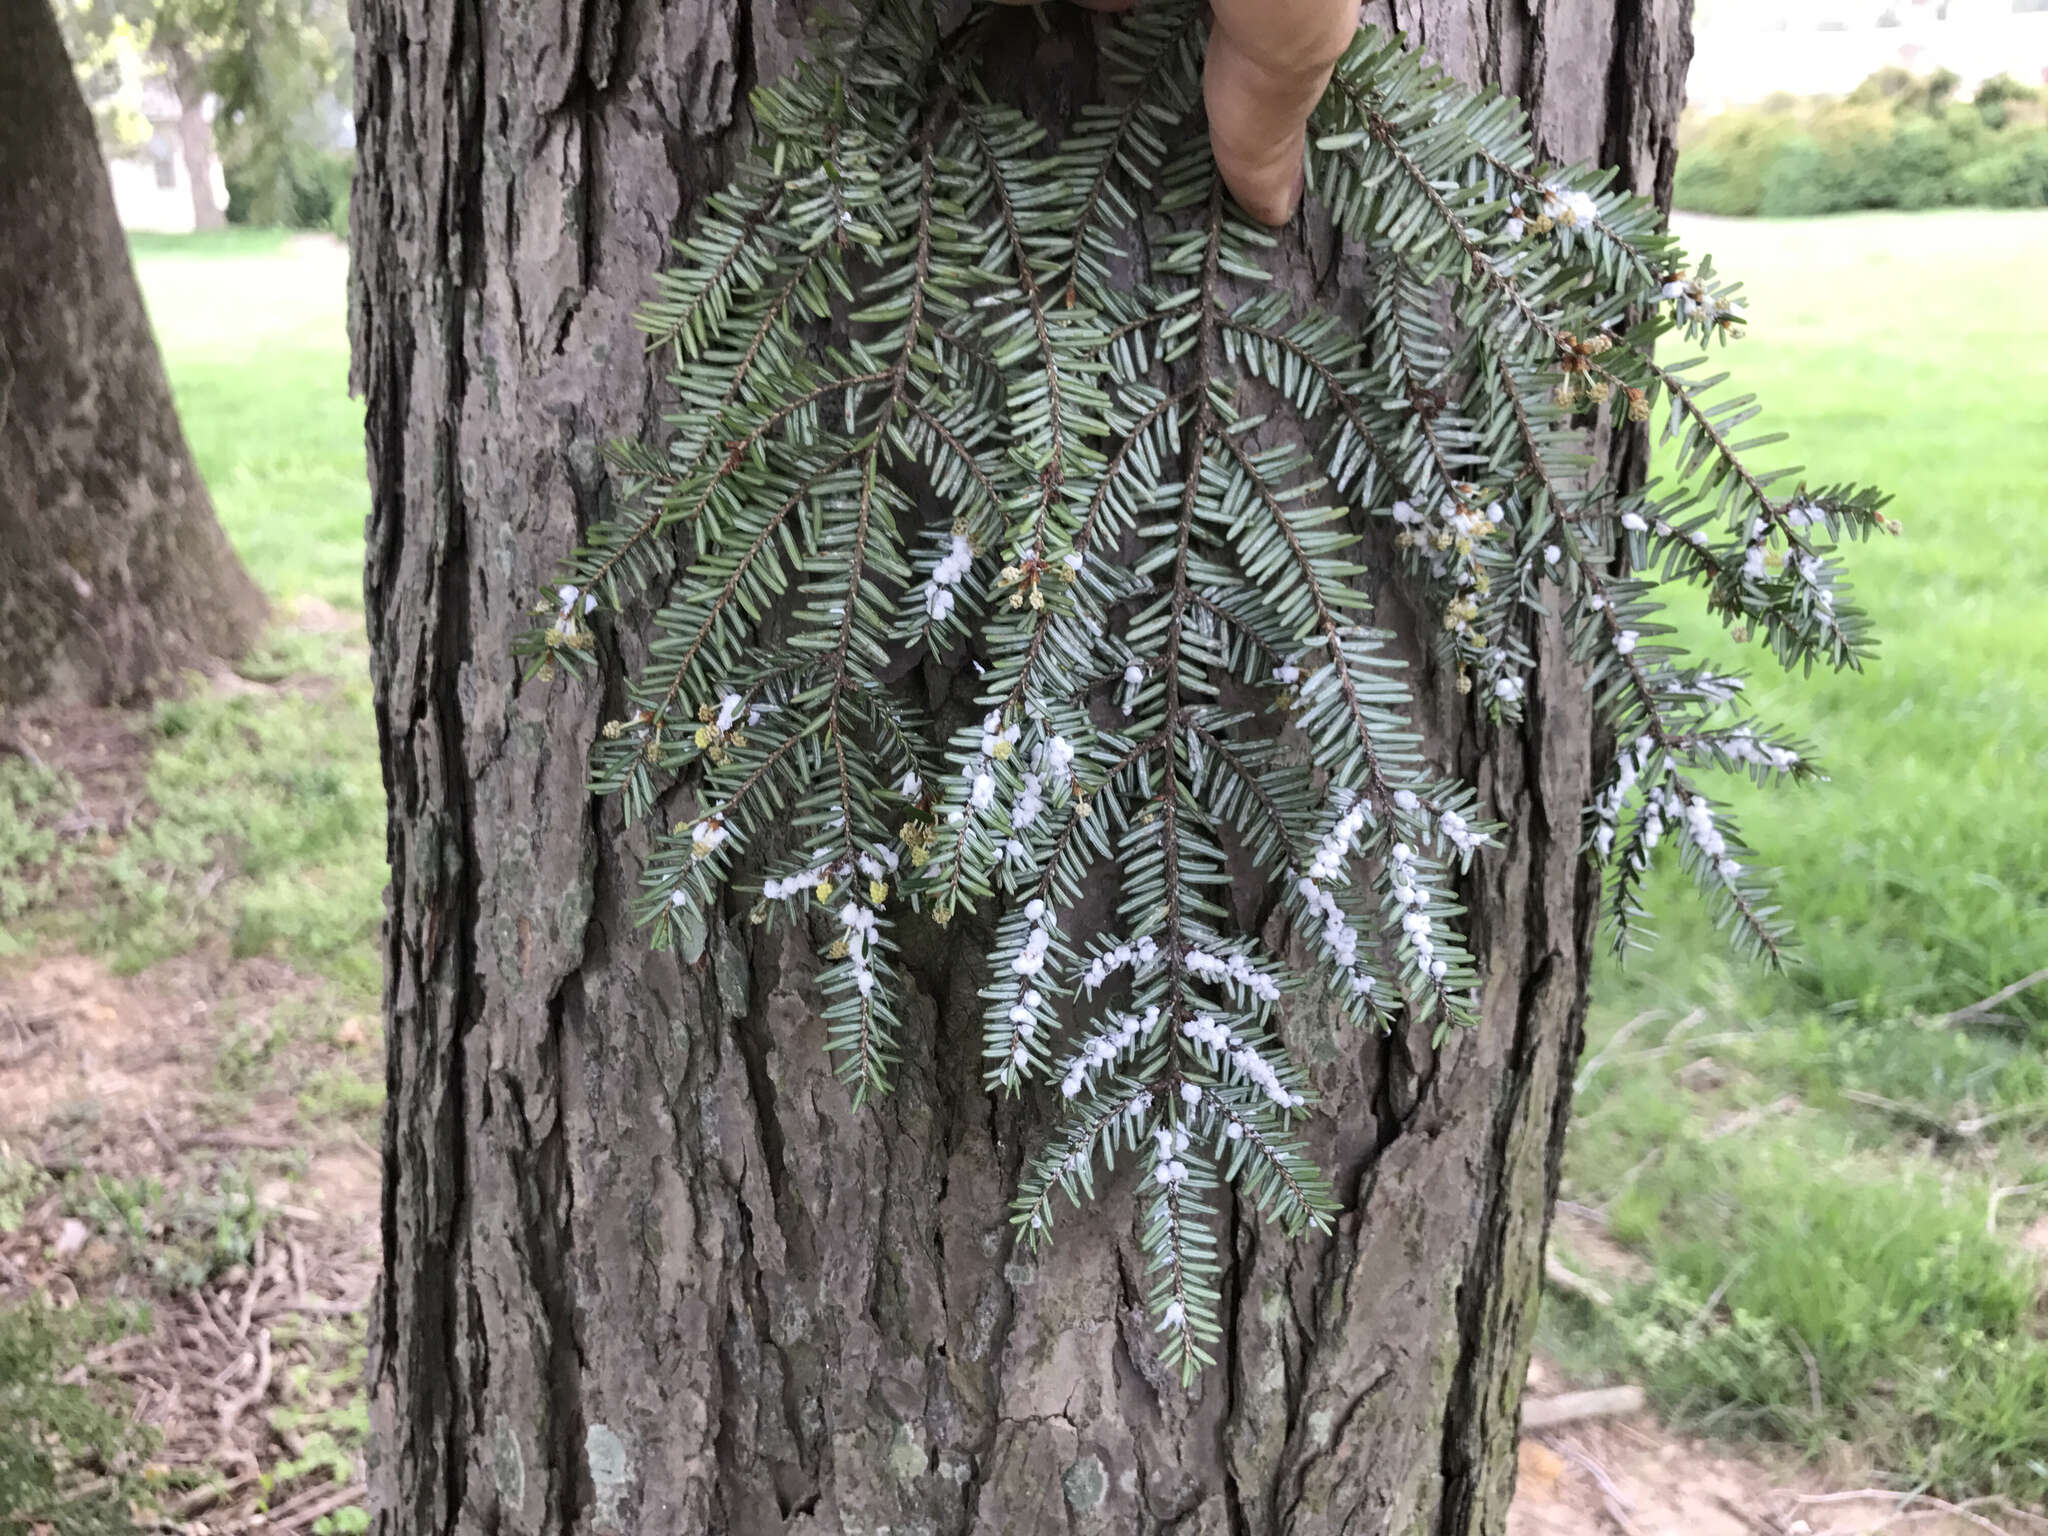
x: 1268, y: 64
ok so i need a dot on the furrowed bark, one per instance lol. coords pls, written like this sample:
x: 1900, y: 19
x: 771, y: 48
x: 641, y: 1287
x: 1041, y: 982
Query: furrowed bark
x: 113, y: 572
x: 646, y: 1268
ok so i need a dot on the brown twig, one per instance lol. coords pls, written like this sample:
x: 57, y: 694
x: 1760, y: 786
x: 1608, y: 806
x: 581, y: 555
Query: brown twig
x: 1615, y: 1043
x: 1978, y: 1010
x: 1572, y: 1283
x: 1998, y: 1197
x: 1610, y: 1492
x: 230, y: 1409
x: 1812, y: 1373
x: 1545, y: 1413
x: 1906, y: 1509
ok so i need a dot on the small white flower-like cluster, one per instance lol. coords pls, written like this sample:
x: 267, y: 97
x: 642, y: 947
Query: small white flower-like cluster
x: 783, y: 887
x: 1233, y: 971
x: 1458, y: 833
x: 1416, y: 926
x: 858, y: 925
x: 1287, y: 674
x: 706, y: 835
x: 1339, y: 938
x: 1141, y: 956
x: 1706, y: 836
x: 1024, y: 1024
x: 1134, y: 679
x: 1569, y: 206
x: 1716, y: 687
x: 1449, y: 539
x: 1030, y: 962
x: 1631, y: 762
x: 1169, y: 1170
x: 1251, y: 1065
x: 997, y: 741
x: 946, y: 577
x: 1098, y: 1051
x: 1799, y: 513
x: 1625, y: 642
x: 879, y: 862
x: 1337, y: 844
x: 1031, y: 958
x: 1745, y: 746
x: 1691, y: 302
x: 1030, y: 802
x: 566, y: 618
x: 1756, y: 557
x: 1051, y: 760
x: 1509, y: 689
x: 1810, y: 572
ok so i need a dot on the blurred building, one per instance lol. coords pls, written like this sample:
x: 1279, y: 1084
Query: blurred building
x: 1745, y: 50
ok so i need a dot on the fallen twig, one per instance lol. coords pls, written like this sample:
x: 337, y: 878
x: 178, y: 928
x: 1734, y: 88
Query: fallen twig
x: 1619, y: 1039
x: 1541, y: 1413
x: 1574, y: 1284
x: 298, y: 1513
x: 1610, y: 1492
x: 1944, y: 1130
x: 1749, y: 1118
x: 1976, y: 1011
x: 1706, y: 1311
x: 209, y: 1494
x: 1998, y: 1197
x: 1906, y: 1503
x: 230, y: 1409
x: 1812, y: 1373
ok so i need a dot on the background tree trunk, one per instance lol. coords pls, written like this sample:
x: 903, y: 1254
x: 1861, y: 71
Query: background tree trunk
x: 113, y: 572
x: 195, y: 138
x: 646, y: 1269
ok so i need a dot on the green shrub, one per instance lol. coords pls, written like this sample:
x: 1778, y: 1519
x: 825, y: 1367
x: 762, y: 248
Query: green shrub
x: 1897, y: 141
x: 2016, y: 176
x: 67, y: 1462
x: 300, y: 189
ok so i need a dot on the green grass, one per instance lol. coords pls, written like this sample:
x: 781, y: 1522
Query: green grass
x: 265, y: 818
x: 253, y: 327
x: 1819, y: 1268
x: 1910, y: 351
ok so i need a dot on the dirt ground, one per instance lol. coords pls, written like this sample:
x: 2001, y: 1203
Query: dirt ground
x: 162, y: 1113
x: 124, y: 1077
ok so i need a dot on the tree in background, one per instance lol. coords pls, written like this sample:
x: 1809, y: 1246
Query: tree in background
x: 113, y: 571
x: 260, y: 81
x: 646, y: 1266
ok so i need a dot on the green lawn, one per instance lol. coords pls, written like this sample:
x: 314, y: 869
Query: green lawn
x: 267, y: 809
x: 1910, y: 351
x: 1814, y: 1267
x: 254, y: 330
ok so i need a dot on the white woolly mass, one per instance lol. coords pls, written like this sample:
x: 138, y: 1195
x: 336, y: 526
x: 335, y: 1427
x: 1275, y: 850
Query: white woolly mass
x: 857, y: 931
x: 1241, y: 1054
x: 1233, y: 970
x: 1569, y: 206
x: 1142, y: 955
x: 1098, y: 1051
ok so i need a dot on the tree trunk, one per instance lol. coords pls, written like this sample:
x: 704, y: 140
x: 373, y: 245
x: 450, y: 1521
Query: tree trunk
x: 195, y: 143
x: 646, y: 1269
x: 113, y: 572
